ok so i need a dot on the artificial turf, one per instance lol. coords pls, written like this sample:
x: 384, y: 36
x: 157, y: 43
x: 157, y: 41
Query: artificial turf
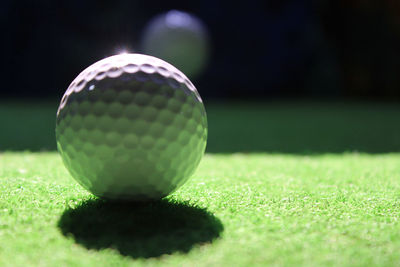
x: 239, y: 209
x: 315, y: 204
x: 295, y: 127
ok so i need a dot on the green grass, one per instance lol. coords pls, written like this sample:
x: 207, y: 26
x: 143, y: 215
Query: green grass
x: 237, y: 210
x: 280, y: 127
x: 282, y: 184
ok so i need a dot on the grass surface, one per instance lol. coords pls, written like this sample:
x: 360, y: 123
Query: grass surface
x: 237, y: 210
x: 279, y: 127
x: 314, y: 184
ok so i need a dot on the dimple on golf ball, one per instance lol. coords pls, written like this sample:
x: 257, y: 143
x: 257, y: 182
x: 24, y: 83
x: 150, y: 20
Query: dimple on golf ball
x: 131, y: 127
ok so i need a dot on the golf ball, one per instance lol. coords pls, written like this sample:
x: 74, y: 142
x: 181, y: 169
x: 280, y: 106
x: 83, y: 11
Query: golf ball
x: 179, y: 38
x: 131, y: 127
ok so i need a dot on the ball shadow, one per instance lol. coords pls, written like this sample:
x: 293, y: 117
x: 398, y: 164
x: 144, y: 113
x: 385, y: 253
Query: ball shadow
x: 140, y: 230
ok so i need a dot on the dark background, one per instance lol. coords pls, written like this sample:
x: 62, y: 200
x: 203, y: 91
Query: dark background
x: 281, y: 48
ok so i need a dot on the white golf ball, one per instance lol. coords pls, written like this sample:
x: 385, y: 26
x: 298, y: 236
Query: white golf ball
x: 179, y: 38
x: 131, y: 127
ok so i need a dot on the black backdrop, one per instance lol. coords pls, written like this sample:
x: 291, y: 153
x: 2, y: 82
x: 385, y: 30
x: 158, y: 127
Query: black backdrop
x: 300, y: 48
